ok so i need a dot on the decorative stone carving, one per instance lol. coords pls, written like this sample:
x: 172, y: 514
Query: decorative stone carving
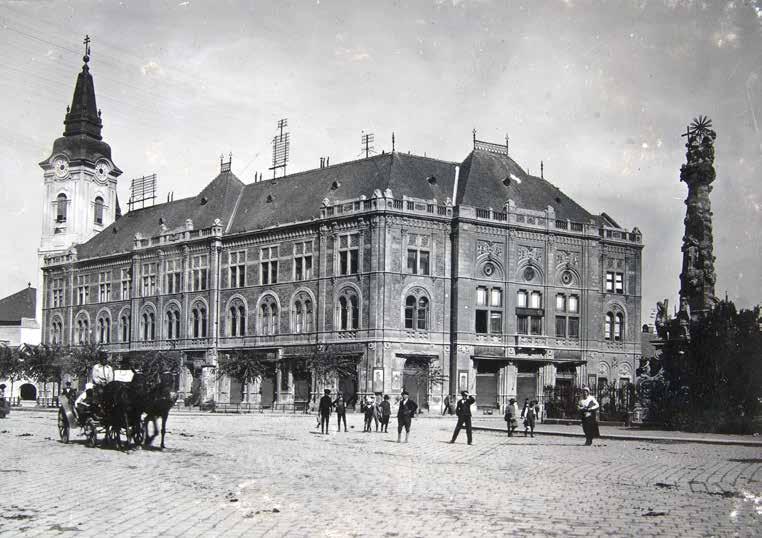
x: 698, y: 277
x: 371, y: 345
x: 492, y: 248
x: 570, y: 259
x: 529, y: 253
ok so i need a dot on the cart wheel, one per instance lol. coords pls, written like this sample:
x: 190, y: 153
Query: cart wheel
x: 138, y: 435
x: 91, y: 434
x: 63, y: 426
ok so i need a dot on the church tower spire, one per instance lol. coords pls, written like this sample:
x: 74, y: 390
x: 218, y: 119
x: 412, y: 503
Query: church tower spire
x: 83, y: 117
x: 80, y: 179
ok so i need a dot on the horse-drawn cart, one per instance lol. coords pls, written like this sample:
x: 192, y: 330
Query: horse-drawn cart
x: 109, y: 416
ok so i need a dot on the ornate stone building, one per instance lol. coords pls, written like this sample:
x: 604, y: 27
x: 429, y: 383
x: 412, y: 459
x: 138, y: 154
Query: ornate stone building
x: 476, y: 269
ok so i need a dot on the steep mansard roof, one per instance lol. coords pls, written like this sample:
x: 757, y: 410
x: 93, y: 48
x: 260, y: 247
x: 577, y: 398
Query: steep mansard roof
x: 298, y: 197
x: 490, y: 180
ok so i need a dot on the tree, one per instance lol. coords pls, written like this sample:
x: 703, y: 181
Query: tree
x: 154, y: 363
x: 245, y: 366
x: 711, y: 381
x: 11, y: 365
x: 327, y: 366
x: 78, y: 361
x: 42, y: 363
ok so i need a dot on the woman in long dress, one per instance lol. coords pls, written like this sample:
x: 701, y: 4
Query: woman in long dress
x: 588, y: 406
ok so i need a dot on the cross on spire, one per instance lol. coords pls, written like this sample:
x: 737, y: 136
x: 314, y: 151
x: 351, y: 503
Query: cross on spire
x: 86, y: 43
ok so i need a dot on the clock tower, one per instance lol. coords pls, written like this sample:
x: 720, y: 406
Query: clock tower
x: 80, y: 179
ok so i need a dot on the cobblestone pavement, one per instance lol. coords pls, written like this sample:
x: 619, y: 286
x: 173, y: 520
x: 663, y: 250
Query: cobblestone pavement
x: 274, y: 475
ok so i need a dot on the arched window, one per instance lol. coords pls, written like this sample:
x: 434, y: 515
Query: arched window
x: 124, y: 324
x: 172, y: 322
x: 237, y: 318
x: 98, y: 210
x: 619, y: 327
x: 148, y: 326
x: 268, y: 315
x: 61, y: 206
x: 348, y: 315
x: 302, y: 320
x: 83, y: 331
x: 56, y: 333
x: 198, y: 321
x: 608, y: 326
x: 104, y: 330
x: 417, y: 310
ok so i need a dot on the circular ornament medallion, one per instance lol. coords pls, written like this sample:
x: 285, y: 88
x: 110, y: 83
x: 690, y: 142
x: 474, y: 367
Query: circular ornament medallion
x: 529, y: 274
x: 61, y: 167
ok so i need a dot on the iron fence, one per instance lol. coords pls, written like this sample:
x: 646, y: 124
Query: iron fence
x: 617, y: 403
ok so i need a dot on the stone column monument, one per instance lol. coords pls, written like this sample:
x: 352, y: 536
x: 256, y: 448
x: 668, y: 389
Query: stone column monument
x: 698, y: 276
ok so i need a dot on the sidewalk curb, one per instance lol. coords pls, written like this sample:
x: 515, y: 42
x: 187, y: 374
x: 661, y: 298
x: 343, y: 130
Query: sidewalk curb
x: 614, y: 437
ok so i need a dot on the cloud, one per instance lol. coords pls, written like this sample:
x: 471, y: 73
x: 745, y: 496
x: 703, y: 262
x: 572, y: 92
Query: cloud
x: 353, y: 55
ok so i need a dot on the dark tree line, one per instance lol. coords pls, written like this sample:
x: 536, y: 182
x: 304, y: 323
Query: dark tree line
x: 711, y: 381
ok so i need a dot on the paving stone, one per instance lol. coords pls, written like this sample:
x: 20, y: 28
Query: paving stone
x: 265, y: 475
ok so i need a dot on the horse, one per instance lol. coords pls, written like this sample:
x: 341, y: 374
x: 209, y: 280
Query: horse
x: 119, y: 407
x: 159, y: 399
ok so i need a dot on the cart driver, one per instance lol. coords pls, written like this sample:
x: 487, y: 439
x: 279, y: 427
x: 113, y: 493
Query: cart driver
x: 84, y: 402
x: 102, y: 374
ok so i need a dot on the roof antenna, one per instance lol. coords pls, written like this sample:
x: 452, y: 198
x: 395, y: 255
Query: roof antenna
x: 542, y: 170
x: 367, y: 143
x: 506, y: 144
x: 392, y: 141
x: 474, y: 134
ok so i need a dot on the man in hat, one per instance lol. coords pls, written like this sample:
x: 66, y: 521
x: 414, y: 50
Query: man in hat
x: 325, y: 407
x: 405, y: 415
x: 463, y: 410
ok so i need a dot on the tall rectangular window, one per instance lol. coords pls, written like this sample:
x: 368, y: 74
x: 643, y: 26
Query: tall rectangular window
x: 619, y: 283
x: 148, y: 279
x: 522, y: 324
x: 268, y: 265
x: 561, y: 326
x: 237, y: 262
x: 535, y: 325
x: 303, y: 260
x: 418, y: 262
x: 349, y: 254
x: 199, y: 272
x: 521, y: 299
x: 83, y: 289
x: 126, y: 283
x: 173, y: 277
x: 489, y: 311
x: 573, y: 327
x: 610, y: 281
x: 529, y: 312
x: 104, y: 287
x: 57, y: 293
x: 567, y: 318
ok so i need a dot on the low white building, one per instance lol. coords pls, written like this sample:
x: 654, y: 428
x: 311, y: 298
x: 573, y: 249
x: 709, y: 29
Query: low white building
x: 19, y: 327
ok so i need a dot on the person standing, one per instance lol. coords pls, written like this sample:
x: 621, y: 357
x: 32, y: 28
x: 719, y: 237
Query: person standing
x: 511, y: 416
x: 447, y: 406
x: 325, y: 410
x: 386, y: 412
x: 463, y: 410
x: 341, y: 411
x: 588, y: 406
x: 405, y: 415
x: 530, y: 417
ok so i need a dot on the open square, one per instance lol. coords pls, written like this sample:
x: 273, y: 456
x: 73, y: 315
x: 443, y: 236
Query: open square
x: 255, y: 475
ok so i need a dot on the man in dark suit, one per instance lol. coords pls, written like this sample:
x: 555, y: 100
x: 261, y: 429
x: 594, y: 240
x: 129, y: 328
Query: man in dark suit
x: 326, y: 404
x: 463, y: 410
x: 405, y: 415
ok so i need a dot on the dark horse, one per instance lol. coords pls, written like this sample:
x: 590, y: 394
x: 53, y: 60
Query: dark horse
x: 159, y: 399
x: 119, y: 407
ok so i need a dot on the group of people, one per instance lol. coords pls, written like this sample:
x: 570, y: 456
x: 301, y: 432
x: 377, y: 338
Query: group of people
x: 373, y: 411
x: 380, y: 412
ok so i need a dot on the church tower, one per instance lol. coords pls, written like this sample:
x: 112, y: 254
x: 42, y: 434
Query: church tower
x: 80, y: 179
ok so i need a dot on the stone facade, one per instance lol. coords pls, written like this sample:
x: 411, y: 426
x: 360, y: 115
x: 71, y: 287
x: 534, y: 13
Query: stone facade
x: 394, y: 261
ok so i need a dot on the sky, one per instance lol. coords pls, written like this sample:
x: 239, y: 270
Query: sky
x: 600, y: 91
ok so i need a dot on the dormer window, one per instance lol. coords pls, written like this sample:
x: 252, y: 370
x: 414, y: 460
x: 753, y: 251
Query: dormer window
x: 98, y: 210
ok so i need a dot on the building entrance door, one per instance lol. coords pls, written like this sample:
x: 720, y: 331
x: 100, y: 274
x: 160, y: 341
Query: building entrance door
x: 526, y: 387
x: 415, y: 377
x: 487, y: 379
